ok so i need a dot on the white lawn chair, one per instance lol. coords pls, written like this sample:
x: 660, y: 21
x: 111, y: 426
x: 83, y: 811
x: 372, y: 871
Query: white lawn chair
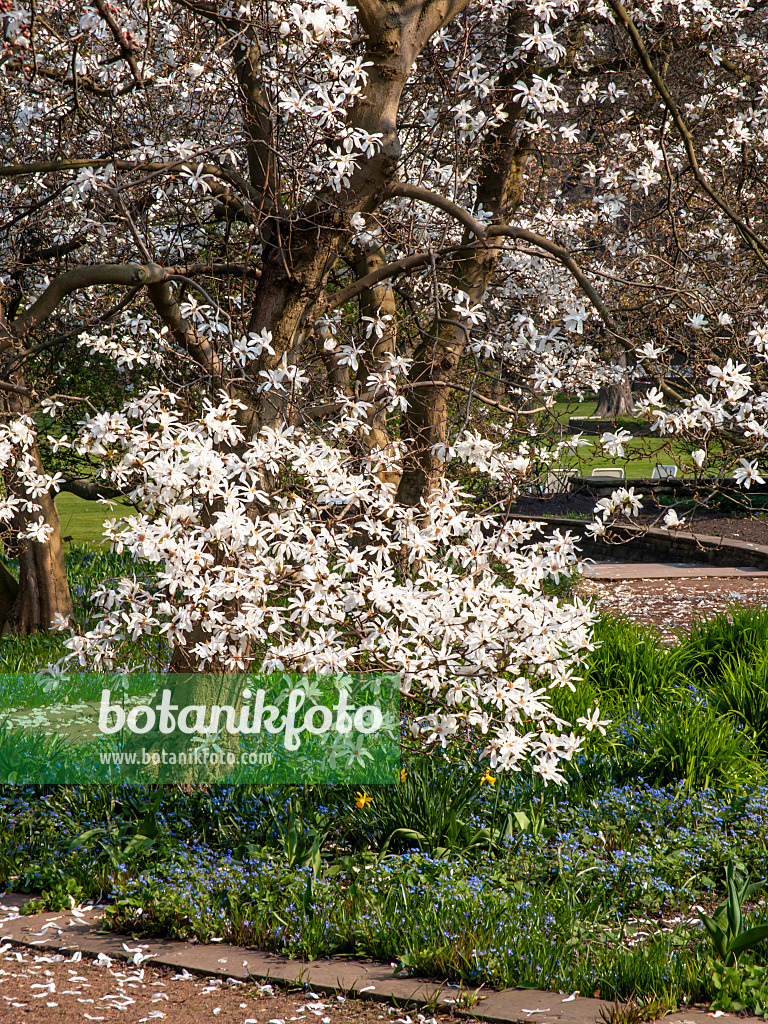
x: 664, y: 473
x: 559, y: 481
x: 608, y: 473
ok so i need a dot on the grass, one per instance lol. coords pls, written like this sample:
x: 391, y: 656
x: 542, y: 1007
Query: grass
x: 82, y: 521
x: 591, y: 887
x: 642, y: 455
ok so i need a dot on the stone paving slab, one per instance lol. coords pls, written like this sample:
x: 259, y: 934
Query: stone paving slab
x: 66, y: 932
x: 664, y: 571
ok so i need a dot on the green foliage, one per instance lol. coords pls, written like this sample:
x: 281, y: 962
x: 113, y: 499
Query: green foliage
x: 630, y: 667
x: 300, y: 844
x: 739, y: 988
x: 726, y: 925
x: 741, y: 694
x: 738, y: 636
x: 692, y: 745
x: 431, y: 810
x: 452, y: 873
x: 63, y: 894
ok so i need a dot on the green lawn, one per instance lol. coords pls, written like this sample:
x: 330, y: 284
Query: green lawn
x: 642, y: 454
x: 82, y: 521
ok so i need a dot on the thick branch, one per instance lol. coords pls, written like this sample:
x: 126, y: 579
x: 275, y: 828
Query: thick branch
x: 54, y: 251
x: 74, y: 280
x: 370, y: 14
x: 184, y: 333
x: 383, y: 273
x: 425, y: 195
x: 90, y: 490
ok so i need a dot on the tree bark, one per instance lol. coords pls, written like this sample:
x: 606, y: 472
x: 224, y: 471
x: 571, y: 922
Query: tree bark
x: 437, y: 357
x: 614, y: 400
x: 43, y: 589
x: 377, y: 301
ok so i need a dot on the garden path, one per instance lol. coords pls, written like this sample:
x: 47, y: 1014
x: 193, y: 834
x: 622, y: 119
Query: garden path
x: 671, y: 596
x: 181, y: 983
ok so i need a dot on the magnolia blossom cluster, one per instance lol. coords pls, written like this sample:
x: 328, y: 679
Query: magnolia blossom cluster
x: 731, y: 402
x: 17, y: 445
x: 329, y: 574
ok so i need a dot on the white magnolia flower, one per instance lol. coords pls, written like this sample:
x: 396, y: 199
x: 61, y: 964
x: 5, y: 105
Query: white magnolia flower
x: 671, y: 520
x: 697, y: 321
x: 613, y: 444
x: 747, y: 474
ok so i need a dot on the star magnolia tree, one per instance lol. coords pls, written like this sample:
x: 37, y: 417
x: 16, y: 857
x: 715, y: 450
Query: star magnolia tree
x: 341, y: 249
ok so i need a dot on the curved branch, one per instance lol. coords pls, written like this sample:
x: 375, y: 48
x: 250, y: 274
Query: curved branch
x: 184, y: 333
x: 382, y: 273
x: 155, y: 169
x: 425, y: 195
x: 129, y: 274
x: 90, y: 490
x: 570, y: 263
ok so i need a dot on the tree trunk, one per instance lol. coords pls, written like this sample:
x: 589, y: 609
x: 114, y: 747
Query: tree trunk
x: 500, y: 191
x: 43, y: 589
x: 378, y: 301
x: 614, y: 400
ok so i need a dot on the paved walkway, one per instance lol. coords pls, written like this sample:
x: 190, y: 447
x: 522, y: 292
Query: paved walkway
x: 65, y: 933
x: 665, y: 571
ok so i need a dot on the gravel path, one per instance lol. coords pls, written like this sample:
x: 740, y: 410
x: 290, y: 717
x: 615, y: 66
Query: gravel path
x: 48, y: 988
x: 671, y: 605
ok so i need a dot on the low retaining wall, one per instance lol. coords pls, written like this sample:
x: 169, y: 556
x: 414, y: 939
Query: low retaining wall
x: 650, y: 544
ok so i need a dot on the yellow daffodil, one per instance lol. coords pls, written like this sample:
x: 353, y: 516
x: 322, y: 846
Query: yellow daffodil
x: 489, y: 779
x: 363, y: 801
x: 403, y: 774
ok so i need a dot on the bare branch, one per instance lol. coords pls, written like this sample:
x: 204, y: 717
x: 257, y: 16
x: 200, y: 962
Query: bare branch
x: 425, y: 195
x: 48, y: 166
x: 755, y: 242
x: 15, y: 389
x: 319, y: 412
x: 127, y: 50
x: 225, y: 269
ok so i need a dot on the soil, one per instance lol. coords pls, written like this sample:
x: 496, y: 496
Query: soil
x: 47, y: 988
x: 751, y: 527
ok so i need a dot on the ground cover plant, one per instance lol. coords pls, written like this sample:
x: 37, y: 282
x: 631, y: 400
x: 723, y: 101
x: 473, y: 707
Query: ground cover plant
x: 457, y: 873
